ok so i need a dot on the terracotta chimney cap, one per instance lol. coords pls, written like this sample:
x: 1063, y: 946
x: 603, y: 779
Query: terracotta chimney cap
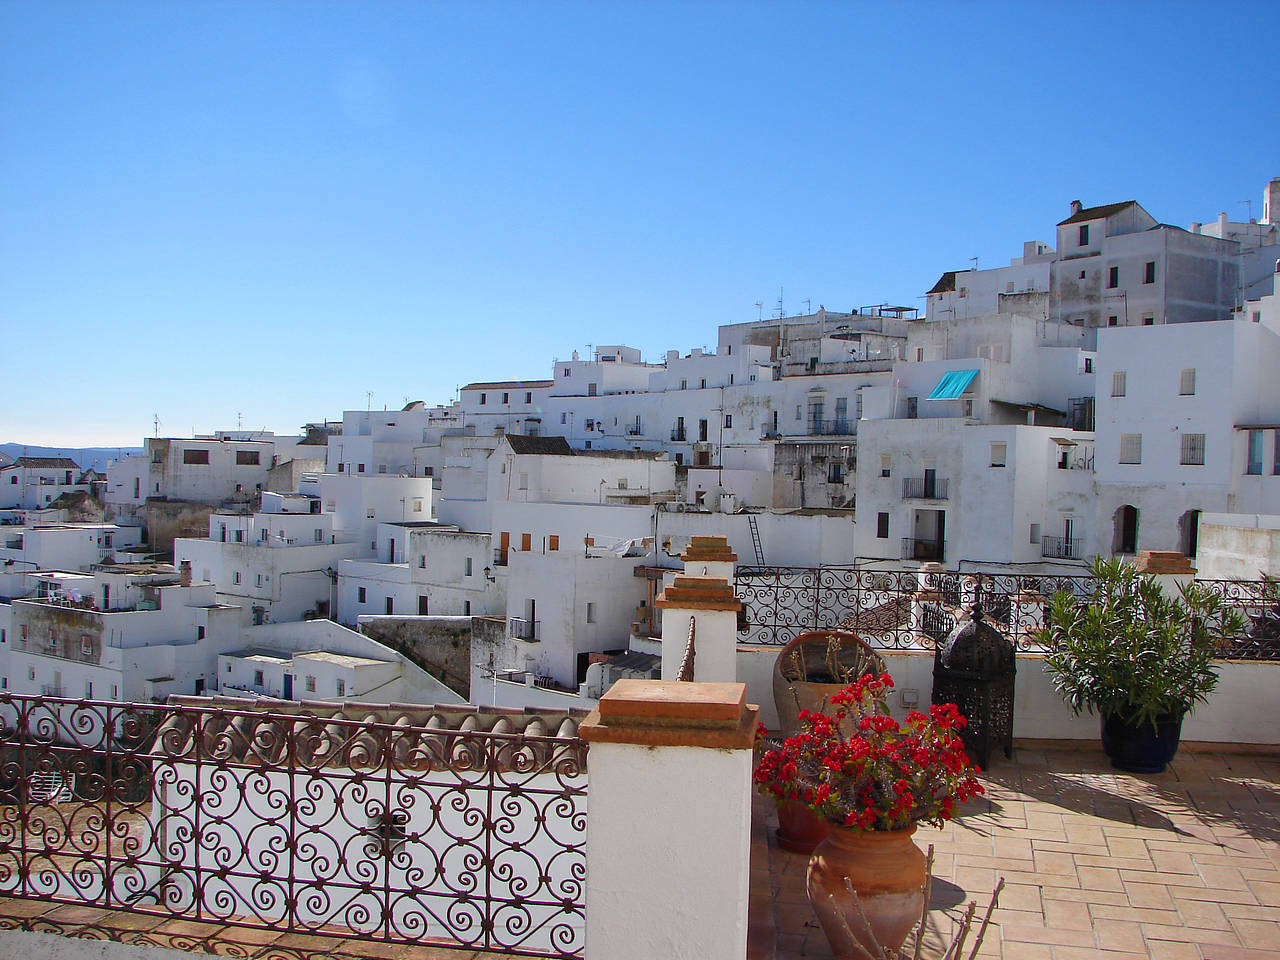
x: 714, y: 549
x: 698, y: 593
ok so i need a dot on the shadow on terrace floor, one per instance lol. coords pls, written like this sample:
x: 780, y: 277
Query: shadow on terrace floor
x: 1096, y: 863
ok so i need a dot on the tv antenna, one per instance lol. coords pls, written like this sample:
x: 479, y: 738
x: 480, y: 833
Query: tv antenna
x: 1248, y: 204
x: 808, y: 306
x: 781, y: 313
x: 156, y: 421
x: 974, y: 261
x: 759, y: 310
x: 368, y: 400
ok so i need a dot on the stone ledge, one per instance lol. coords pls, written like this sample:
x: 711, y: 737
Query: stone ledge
x: 698, y: 593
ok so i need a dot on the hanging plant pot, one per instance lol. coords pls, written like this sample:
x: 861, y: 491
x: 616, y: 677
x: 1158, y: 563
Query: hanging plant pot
x: 1139, y: 747
x: 887, y: 871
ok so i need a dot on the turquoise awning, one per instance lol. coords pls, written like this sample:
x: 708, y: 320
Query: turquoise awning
x: 952, y: 385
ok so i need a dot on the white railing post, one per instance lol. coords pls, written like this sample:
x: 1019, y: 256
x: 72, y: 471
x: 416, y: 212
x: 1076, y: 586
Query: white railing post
x: 668, y: 823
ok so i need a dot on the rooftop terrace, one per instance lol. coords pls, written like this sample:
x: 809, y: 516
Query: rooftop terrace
x: 1097, y: 863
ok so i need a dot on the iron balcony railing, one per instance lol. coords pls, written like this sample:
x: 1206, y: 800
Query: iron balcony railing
x: 924, y: 488
x: 523, y: 629
x: 915, y: 608
x: 402, y: 829
x: 915, y: 548
x: 832, y: 428
x: 678, y: 435
x: 1061, y: 548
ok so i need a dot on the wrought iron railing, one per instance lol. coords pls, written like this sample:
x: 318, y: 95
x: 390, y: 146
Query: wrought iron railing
x: 914, y: 608
x: 400, y: 830
x: 924, y: 488
x: 524, y: 629
x: 831, y: 428
x: 921, y: 548
x: 1061, y: 548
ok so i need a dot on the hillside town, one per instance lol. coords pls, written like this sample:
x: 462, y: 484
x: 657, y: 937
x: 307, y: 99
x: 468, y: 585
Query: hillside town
x: 366, y: 662
x: 1106, y: 393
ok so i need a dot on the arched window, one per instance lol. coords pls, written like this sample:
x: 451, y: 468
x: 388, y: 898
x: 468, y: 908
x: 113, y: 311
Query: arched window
x: 1126, y: 530
x: 1189, y: 532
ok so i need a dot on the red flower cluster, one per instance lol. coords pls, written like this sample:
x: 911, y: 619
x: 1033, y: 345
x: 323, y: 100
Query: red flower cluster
x: 886, y: 776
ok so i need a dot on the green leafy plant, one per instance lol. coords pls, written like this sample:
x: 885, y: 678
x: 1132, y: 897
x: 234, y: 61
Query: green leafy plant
x: 1134, y: 651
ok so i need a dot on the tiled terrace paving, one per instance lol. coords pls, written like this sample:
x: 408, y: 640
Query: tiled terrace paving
x: 1097, y: 863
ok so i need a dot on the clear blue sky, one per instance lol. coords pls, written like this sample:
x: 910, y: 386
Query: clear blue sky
x: 268, y: 209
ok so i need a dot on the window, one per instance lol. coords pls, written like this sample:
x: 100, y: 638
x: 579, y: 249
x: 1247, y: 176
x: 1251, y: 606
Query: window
x: 882, y: 526
x: 1008, y: 287
x: 524, y: 481
x: 340, y: 687
x: 369, y: 514
x: 1088, y: 364
x: 886, y: 465
x: 235, y: 577
x: 913, y: 407
x: 506, y: 397
x: 1130, y: 448
x: 1148, y: 320
x: 1113, y: 321
x: 528, y: 397
x: 1193, y: 449
x: 999, y: 454
x: 553, y: 542
x: 483, y: 398
x: 684, y: 384
x: 566, y: 371
x: 799, y: 412
x: 382, y: 468
x: 390, y: 606
x: 259, y: 583
x: 195, y: 456
x: 466, y: 567
x: 564, y: 418
x: 1083, y: 274
x: 360, y: 594
x: 342, y: 468
x: 728, y: 420
x: 1254, y: 465
x: 1117, y: 383
x: 319, y: 535
x: 359, y: 468
x: 1113, y: 278
x: 835, y: 472
x: 591, y: 612
x: 1149, y: 272
x: 1187, y: 382
x: 247, y: 458
x: 964, y: 292
x: 466, y: 608
x: 228, y: 666
x: 422, y: 562
x: 1035, y: 533
x: 310, y: 684
x: 1083, y: 236
x: 702, y: 384
x: 257, y: 678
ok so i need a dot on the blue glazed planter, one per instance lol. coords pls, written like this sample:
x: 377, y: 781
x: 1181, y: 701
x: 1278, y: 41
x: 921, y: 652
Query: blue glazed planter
x: 1140, y: 748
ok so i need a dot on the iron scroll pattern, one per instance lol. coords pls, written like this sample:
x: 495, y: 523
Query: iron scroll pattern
x: 355, y: 829
x: 893, y: 609
x: 917, y: 608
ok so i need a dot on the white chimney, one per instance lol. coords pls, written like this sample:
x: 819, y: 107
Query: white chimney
x: 1076, y: 207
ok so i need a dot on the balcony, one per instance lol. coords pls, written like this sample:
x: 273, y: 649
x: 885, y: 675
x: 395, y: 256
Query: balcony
x: 831, y: 428
x: 677, y: 435
x: 1061, y: 548
x: 914, y: 548
x: 924, y: 488
x: 523, y: 629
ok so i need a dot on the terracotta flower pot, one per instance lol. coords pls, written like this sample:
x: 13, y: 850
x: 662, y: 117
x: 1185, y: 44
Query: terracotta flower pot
x: 800, y: 830
x: 886, y: 869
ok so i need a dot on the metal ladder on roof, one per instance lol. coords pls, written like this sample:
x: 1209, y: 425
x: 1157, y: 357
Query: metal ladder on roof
x: 755, y: 539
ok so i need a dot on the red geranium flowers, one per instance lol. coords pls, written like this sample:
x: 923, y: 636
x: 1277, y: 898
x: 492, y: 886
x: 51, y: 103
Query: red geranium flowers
x: 886, y: 776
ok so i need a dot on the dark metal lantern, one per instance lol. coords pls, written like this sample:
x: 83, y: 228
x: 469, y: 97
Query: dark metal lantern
x: 974, y: 668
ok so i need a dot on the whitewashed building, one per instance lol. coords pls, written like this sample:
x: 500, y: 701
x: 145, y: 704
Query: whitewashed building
x: 32, y: 483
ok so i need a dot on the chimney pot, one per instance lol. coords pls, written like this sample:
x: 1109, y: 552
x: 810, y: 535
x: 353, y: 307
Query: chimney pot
x: 1076, y: 207
x: 184, y: 573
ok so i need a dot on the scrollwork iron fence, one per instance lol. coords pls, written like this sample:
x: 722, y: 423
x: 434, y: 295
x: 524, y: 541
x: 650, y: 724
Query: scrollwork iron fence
x: 915, y: 608
x: 390, y: 827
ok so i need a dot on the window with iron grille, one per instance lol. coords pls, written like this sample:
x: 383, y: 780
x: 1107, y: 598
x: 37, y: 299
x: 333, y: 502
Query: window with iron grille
x: 1130, y: 448
x: 1193, y: 449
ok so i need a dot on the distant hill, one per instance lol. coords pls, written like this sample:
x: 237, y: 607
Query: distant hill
x: 87, y: 457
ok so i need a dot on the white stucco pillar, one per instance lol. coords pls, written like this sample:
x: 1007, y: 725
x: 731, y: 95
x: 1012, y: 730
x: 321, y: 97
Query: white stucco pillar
x: 668, y: 823
x: 711, y: 602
